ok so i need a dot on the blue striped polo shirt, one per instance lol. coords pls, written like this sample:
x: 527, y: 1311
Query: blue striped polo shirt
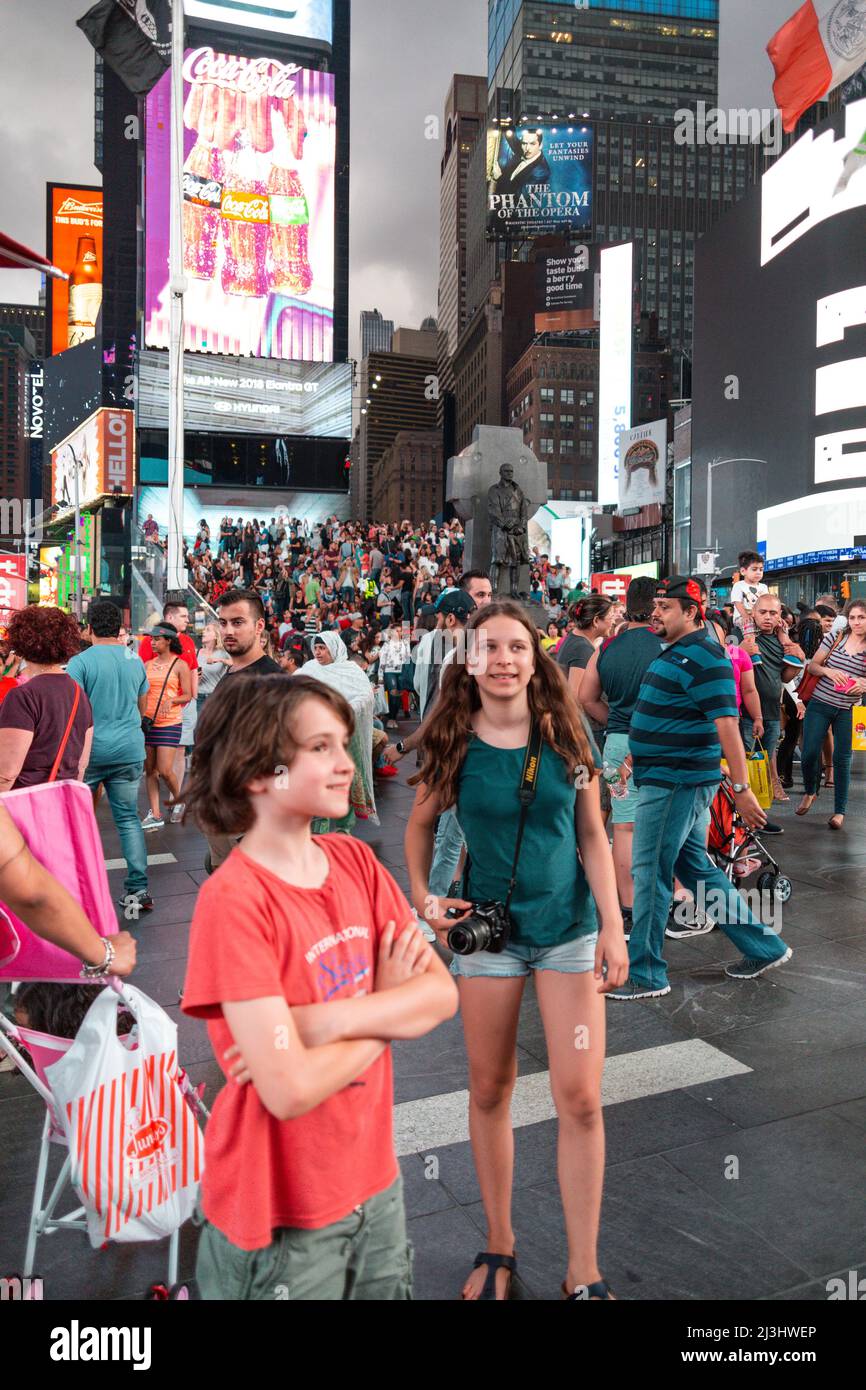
x: 673, y: 739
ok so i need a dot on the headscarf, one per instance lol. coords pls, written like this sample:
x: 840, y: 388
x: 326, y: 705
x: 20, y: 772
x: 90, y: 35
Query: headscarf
x: 347, y: 677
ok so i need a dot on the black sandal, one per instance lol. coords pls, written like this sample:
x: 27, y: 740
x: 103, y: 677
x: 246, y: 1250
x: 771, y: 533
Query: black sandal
x: 599, y: 1291
x: 494, y: 1262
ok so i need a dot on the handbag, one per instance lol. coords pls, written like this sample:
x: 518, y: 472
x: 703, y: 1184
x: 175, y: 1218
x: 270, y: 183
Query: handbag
x: 147, y: 720
x: 758, y: 767
x: 65, y: 739
x: 57, y: 823
x: 806, y: 688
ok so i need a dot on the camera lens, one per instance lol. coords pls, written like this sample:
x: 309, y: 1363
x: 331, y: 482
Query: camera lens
x: 470, y: 936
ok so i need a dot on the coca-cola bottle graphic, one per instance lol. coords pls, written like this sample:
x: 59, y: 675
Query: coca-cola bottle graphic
x: 202, y: 196
x: 85, y: 293
x: 288, y: 265
x: 244, y: 217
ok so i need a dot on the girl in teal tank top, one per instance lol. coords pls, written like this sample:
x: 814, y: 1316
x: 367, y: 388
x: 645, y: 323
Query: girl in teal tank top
x: 501, y: 686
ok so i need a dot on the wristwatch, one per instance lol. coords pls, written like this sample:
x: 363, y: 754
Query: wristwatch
x: 739, y: 786
x: 399, y: 746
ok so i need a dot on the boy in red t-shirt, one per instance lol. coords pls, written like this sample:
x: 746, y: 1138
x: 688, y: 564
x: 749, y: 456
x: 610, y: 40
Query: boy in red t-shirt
x: 305, y: 960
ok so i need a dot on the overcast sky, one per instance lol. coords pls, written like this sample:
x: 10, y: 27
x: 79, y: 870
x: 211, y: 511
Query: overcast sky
x: 404, y: 53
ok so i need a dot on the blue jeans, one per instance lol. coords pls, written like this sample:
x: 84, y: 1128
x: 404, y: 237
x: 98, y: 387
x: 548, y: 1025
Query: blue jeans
x: 120, y: 781
x: 446, y: 854
x: 819, y: 719
x: 772, y: 734
x: 670, y: 837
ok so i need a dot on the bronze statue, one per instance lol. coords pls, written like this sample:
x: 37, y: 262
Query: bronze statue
x: 508, y: 510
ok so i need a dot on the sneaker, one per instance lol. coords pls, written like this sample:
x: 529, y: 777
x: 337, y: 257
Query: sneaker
x: 770, y: 829
x: 679, y: 930
x: 632, y: 989
x: 141, y: 902
x: 152, y: 822
x: 747, y: 969
x: 177, y: 813
x: 392, y: 724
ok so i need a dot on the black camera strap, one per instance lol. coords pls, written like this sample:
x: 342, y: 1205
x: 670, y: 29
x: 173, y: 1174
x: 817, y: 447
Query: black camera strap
x: 526, y: 795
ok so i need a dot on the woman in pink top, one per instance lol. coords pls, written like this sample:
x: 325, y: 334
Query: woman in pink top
x: 747, y: 692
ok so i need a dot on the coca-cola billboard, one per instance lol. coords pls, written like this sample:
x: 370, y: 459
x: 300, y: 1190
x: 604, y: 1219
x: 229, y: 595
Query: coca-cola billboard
x: 258, y: 209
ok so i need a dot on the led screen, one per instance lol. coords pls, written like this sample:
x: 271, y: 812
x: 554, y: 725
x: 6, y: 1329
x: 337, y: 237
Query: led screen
x: 258, y: 208
x: 226, y: 394
x: 539, y: 179
x: 75, y: 246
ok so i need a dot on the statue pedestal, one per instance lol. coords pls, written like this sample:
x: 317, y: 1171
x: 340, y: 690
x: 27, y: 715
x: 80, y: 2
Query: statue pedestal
x: 473, y: 472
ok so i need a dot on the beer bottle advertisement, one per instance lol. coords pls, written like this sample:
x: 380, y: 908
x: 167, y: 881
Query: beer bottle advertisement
x: 258, y: 210
x: 74, y: 244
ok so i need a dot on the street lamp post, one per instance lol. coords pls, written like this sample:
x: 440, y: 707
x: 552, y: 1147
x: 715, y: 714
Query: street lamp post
x: 77, y: 541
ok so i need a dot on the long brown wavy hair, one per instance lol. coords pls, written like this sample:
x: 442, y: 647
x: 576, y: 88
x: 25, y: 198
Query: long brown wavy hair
x: 551, y: 703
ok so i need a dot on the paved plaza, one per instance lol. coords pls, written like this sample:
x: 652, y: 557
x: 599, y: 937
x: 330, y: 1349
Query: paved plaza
x: 735, y: 1112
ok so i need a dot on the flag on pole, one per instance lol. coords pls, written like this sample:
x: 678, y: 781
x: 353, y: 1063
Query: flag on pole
x: 133, y: 37
x: 819, y: 48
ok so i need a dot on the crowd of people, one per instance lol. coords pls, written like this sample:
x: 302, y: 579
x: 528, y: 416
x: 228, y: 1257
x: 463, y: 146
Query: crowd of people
x: 567, y: 750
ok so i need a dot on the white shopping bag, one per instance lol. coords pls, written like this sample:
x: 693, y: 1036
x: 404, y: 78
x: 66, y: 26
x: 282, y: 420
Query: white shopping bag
x: 136, y: 1149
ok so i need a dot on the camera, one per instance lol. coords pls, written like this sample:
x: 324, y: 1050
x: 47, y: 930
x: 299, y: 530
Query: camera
x: 487, y: 928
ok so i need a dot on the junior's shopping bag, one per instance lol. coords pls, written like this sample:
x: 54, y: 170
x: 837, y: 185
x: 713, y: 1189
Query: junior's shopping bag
x: 758, y: 764
x: 858, y: 729
x: 136, y: 1149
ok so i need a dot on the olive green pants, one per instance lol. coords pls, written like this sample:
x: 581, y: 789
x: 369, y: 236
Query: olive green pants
x: 366, y: 1256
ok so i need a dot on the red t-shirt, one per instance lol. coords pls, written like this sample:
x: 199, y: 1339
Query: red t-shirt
x: 188, y: 651
x: 254, y: 936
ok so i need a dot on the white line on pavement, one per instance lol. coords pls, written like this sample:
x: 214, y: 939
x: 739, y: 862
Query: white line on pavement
x: 430, y: 1123
x: 151, y: 860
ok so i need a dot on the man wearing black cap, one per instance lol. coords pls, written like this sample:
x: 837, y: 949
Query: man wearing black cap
x: 685, y: 719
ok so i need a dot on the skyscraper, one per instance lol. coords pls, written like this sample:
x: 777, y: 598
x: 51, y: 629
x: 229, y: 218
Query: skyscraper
x: 465, y: 118
x: 630, y: 67
x: 376, y: 332
x: 621, y: 60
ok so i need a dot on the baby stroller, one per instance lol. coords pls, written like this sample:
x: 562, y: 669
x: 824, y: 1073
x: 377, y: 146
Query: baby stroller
x: 734, y: 847
x: 44, y: 1049
x: 140, y: 1126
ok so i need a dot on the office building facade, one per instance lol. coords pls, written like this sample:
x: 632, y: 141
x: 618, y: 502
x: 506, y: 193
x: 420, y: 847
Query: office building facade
x: 376, y: 332
x: 397, y: 393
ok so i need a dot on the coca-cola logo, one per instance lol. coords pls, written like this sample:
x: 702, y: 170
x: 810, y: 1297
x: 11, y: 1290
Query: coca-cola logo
x: 245, y: 207
x: 256, y: 77
x: 208, y: 192
x: 147, y: 1140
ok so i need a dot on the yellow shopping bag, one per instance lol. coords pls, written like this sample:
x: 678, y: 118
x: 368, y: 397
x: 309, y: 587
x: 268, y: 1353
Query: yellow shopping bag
x: 858, y: 729
x: 758, y: 764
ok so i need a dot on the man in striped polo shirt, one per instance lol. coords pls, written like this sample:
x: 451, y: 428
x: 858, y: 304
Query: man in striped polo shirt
x: 684, y: 721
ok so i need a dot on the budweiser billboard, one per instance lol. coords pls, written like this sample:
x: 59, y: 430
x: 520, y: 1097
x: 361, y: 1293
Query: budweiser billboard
x: 258, y: 208
x: 101, y: 452
x: 74, y: 244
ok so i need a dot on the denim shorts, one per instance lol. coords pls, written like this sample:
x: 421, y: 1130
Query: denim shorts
x: 623, y: 808
x: 570, y: 958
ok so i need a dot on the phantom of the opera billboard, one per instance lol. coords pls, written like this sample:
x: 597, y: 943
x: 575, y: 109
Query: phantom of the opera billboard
x: 539, y: 179
x: 258, y: 208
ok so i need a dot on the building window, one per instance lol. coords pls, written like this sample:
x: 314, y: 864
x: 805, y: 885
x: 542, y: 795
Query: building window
x: 545, y: 446
x: 547, y: 395
x: 587, y: 398
x: 566, y: 395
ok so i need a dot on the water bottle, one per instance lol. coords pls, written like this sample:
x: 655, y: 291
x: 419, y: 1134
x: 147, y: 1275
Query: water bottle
x: 610, y: 773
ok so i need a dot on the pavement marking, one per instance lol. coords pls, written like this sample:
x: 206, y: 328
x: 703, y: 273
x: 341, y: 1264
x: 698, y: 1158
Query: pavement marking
x: 151, y: 859
x: 430, y: 1123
